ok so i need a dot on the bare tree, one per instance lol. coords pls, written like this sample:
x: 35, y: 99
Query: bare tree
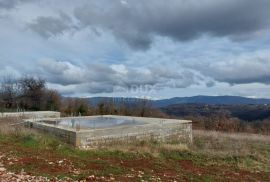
x: 52, y: 100
x: 8, y: 92
x: 32, y: 92
x: 75, y: 106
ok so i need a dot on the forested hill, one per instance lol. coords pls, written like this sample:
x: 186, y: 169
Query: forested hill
x: 215, y: 100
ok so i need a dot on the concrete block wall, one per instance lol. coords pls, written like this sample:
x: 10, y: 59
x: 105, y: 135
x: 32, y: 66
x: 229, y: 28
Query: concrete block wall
x: 65, y: 135
x: 31, y: 115
x: 183, y: 133
x: 168, y: 131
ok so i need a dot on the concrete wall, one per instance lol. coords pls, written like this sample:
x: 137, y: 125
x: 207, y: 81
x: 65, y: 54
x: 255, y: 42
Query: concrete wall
x: 100, y: 137
x: 65, y: 135
x: 155, y: 129
x: 34, y: 114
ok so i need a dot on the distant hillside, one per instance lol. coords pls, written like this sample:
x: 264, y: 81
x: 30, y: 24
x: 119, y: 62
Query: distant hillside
x: 244, y: 112
x: 116, y: 100
x: 217, y: 100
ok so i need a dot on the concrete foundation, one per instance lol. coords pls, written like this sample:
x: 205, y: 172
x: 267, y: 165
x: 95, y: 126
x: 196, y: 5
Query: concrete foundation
x: 32, y: 115
x: 158, y: 129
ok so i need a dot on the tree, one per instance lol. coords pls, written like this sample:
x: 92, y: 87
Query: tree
x: 8, y: 92
x: 32, y: 91
x: 101, y: 108
x: 75, y: 106
x: 52, y: 100
x: 144, y: 107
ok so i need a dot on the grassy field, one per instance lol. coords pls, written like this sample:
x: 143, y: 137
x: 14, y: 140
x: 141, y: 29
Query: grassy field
x: 213, y: 156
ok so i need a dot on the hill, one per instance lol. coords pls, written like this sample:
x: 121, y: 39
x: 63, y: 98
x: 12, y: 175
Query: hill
x: 213, y: 100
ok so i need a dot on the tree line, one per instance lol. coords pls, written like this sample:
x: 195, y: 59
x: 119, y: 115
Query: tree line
x: 31, y: 94
x: 226, y: 118
x: 27, y: 94
x: 226, y: 123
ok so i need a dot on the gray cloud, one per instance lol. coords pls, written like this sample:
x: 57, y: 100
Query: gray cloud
x: 242, y: 70
x: 62, y: 72
x: 51, y: 26
x: 169, y: 64
x: 105, y: 78
x: 95, y: 87
x: 210, y: 83
x: 136, y: 22
x: 7, y: 71
x: 54, y: 67
x: 101, y: 78
x: 9, y: 4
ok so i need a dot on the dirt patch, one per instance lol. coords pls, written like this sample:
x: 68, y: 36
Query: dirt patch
x: 137, y: 164
x: 189, y: 166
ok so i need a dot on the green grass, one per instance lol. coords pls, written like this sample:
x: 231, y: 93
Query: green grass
x: 67, y: 151
x: 111, y: 170
x: 29, y: 141
x: 2, y: 137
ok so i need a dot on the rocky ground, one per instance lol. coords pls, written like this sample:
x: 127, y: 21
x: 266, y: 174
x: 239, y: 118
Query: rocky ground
x: 6, y: 176
x: 22, y: 176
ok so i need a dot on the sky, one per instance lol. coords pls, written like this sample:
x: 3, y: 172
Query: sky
x: 139, y: 48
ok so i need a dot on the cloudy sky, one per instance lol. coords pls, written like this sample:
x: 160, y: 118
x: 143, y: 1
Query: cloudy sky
x: 139, y: 48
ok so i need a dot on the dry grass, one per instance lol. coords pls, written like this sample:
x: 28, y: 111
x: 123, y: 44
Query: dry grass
x: 151, y: 147
x: 248, y: 151
x: 14, y: 126
x: 178, y: 147
x: 232, y: 136
x: 211, y: 142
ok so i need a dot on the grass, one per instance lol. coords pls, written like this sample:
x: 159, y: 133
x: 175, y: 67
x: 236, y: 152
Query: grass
x: 247, y: 151
x: 213, y: 156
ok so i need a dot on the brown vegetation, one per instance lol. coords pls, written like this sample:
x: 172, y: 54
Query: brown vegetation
x: 226, y: 118
x: 141, y: 108
x: 226, y: 123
